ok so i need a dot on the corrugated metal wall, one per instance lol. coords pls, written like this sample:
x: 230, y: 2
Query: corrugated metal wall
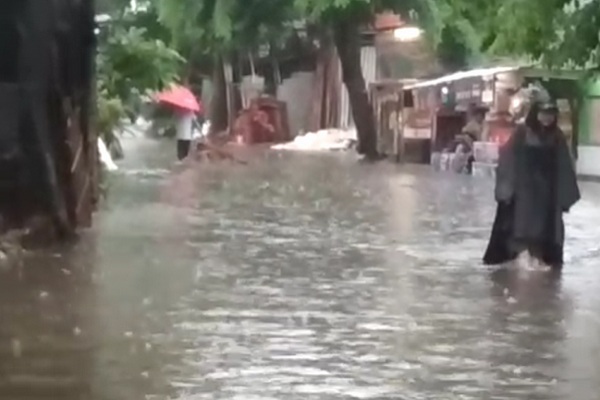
x: 296, y: 91
x: 368, y: 62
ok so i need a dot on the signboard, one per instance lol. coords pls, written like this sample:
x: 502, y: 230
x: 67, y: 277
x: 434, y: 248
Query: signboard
x: 469, y: 91
x: 418, y: 124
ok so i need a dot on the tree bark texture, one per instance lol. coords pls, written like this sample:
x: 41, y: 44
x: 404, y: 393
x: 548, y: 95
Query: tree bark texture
x: 218, y: 114
x: 347, y: 41
x: 324, y: 111
x: 47, y: 144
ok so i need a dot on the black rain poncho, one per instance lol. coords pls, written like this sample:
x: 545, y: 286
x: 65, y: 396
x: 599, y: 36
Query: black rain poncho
x: 535, y: 184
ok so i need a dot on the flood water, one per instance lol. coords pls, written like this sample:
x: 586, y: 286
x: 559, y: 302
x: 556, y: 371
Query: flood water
x: 298, y: 277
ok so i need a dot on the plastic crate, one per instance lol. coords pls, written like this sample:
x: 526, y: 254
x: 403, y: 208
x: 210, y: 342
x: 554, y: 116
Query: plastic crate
x: 486, y: 152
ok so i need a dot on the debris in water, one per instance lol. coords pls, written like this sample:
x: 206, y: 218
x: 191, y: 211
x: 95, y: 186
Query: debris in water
x: 323, y: 140
x: 17, y: 348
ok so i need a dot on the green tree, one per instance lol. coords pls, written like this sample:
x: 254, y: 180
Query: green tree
x: 130, y: 64
x: 556, y: 32
x: 460, y: 30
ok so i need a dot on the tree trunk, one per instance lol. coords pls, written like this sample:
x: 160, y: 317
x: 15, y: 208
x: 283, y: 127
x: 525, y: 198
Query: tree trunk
x: 347, y: 41
x: 218, y: 106
x: 52, y: 154
x: 272, y: 73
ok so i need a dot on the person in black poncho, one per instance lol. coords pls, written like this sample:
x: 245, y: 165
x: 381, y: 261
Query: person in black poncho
x: 535, y: 185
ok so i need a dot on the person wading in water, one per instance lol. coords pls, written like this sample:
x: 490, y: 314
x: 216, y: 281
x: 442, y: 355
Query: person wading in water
x: 185, y: 125
x: 535, y: 185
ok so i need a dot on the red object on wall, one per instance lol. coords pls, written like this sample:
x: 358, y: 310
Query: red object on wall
x: 275, y: 112
x: 265, y: 121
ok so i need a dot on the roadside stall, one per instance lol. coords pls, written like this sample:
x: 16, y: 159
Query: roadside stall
x: 403, y: 121
x: 453, y: 101
x: 418, y: 125
x: 563, y: 86
x: 453, y: 97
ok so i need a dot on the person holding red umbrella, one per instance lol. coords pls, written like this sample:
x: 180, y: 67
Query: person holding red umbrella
x: 186, y: 107
x: 185, y: 124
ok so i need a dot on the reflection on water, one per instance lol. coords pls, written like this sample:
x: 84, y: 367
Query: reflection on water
x: 297, y: 277
x: 47, y: 328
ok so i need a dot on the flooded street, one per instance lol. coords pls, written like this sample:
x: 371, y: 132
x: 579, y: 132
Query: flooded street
x: 298, y: 277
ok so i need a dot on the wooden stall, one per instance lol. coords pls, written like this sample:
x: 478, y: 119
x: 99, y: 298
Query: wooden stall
x: 447, y: 100
x: 387, y: 100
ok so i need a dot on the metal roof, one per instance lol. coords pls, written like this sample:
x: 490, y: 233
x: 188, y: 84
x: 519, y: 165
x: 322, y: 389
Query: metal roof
x: 473, y: 73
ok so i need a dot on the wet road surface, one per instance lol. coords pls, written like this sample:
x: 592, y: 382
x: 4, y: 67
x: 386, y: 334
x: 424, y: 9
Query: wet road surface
x: 298, y: 277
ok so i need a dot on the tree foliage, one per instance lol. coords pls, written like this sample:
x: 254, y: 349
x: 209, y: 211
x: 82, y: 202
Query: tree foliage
x: 556, y: 32
x: 461, y: 30
x: 221, y: 26
x: 361, y: 10
x: 130, y: 64
x: 559, y: 32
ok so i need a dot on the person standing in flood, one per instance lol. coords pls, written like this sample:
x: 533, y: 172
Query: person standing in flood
x: 535, y: 184
x: 186, y: 123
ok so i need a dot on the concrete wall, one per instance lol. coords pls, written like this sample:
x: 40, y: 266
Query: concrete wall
x: 591, y: 94
x: 296, y: 91
x: 588, y: 162
x: 251, y: 88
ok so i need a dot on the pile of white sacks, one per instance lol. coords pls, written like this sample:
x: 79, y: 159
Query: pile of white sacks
x: 323, y: 140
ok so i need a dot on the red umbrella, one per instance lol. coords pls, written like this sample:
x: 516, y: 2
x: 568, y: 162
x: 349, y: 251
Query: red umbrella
x: 181, y: 97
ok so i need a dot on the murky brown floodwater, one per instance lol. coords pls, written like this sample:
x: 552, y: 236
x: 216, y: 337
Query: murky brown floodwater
x: 298, y: 277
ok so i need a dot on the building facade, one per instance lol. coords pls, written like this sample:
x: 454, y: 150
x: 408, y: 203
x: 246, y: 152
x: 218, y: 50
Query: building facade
x: 588, y: 162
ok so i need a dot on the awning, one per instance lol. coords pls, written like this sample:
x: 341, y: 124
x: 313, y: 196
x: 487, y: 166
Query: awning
x: 473, y: 73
